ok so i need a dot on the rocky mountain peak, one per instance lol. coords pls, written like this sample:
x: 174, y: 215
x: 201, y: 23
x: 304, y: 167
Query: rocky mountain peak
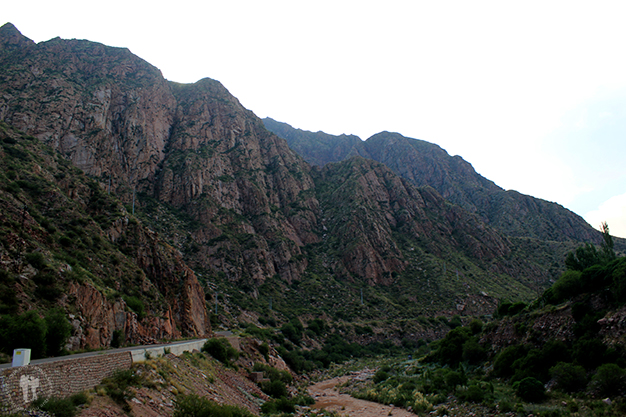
x: 12, y: 39
x: 239, y: 210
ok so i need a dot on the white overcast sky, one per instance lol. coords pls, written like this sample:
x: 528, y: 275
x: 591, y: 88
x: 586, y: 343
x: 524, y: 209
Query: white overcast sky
x: 532, y: 94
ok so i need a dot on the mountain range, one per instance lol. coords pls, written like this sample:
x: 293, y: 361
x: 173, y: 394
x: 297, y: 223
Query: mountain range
x: 139, y: 205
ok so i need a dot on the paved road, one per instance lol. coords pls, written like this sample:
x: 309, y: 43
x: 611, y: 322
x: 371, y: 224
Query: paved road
x: 100, y: 352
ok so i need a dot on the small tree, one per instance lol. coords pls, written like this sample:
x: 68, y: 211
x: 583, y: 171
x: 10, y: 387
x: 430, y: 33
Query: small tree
x: 609, y: 379
x: 59, y: 331
x: 583, y: 257
x: 608, y: 253
x: 569, y: 377
x: 530, y: 389
x: 221, y: 350
x: 27, y: 330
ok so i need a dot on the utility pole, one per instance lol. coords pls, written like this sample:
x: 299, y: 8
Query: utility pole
x: 216, y: 303
x: 361, y: 296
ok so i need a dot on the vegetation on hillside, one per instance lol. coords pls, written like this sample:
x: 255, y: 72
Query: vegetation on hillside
x: 551, y: 376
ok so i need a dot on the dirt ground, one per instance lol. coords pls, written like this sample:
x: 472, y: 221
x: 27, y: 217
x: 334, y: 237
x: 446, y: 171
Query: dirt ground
x: 327, y: 397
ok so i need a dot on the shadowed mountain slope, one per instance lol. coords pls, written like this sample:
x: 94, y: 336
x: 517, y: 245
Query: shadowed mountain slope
x: 244, y: 213
x: 426, y: 164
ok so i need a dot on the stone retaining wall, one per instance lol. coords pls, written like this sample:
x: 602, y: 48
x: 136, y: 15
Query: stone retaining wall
x: 20, y: 386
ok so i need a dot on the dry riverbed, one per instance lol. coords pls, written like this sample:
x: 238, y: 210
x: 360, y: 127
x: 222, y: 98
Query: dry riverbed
x: 328, y: 397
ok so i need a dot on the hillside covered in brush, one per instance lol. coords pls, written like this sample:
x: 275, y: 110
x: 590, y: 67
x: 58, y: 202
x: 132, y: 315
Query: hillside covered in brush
x: 131, y: 202
x: 426, y: 164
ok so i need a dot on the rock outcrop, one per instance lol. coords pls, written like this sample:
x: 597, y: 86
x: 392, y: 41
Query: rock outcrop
x: 211, y: 198
x: 426, y: 164
x: 66, y: 241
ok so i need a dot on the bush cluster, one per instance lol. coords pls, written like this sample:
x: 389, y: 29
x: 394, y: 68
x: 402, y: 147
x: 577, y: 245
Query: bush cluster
x: 118, y: 386
x: 44, y: 336
x: 61, y: 407
x: 336, y: 349
x: 221, y: 349
x: 459, y: 345
x: 196, y: 406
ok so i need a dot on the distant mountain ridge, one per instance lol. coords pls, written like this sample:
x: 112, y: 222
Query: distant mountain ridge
x: 205, y: 202
x: 426, y: 164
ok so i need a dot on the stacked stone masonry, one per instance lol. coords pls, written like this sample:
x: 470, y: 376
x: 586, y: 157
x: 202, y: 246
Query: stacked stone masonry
x: 20, y: 386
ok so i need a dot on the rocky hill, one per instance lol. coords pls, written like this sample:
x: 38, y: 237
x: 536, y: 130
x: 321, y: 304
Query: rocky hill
x: 65, y: 241
x: 426, y: 164
x: 179, y: 192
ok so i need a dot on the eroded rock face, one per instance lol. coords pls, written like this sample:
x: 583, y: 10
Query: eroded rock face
x: 192, y: 146
x: 426, y: 164
x: 537, y: 330
x: 99, y: 317
x: 108, y: 111
x: 249, y: 208
x: 364, y: 203
x: 233, y: 175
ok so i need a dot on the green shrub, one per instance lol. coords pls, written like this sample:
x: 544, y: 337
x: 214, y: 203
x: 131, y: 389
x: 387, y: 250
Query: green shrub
x: 569, y: 377
x: 595, y: 278
x: 221, y: 350
x: 473, y: 352
x: 618, y: 277
x: 530, y: 390
x: 566, y: 287
x: 118, y: 338
x: 27, y: 330
x: 47, y: 286
x: 455, y: 322
x: 196, y: 406
x: 65, y: 241
x: 472, y: 393
x: 505, y: 406
x: 292, y: 333
x: 454, y: 378
x: 503, y: 308
x: 275, y: 389
x: 476, y: 326
x: 609, y: 379
x: 450, y: 348
x: 58, y: 407
x: 8, y: 295
x: 264, y: 349
x: 117, y: 387
x: 582, y: 258
x: 79, y: 398
x: 136, y: 305
x: 36, y: 259
x: 503, y: 364
x: 589, y: 352
x: 380, y: 376
x: 317, y: 326
x: 269, y: 321
x: 58, y: 332
x: 281, y: 405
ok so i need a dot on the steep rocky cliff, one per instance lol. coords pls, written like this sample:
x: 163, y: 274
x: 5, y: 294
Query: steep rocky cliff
x: 65, y: 241
x: 191, y: 146
x: 365, y: 205
x: 426, y: 164
x: 251, y: 195
x: 208, y: 192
